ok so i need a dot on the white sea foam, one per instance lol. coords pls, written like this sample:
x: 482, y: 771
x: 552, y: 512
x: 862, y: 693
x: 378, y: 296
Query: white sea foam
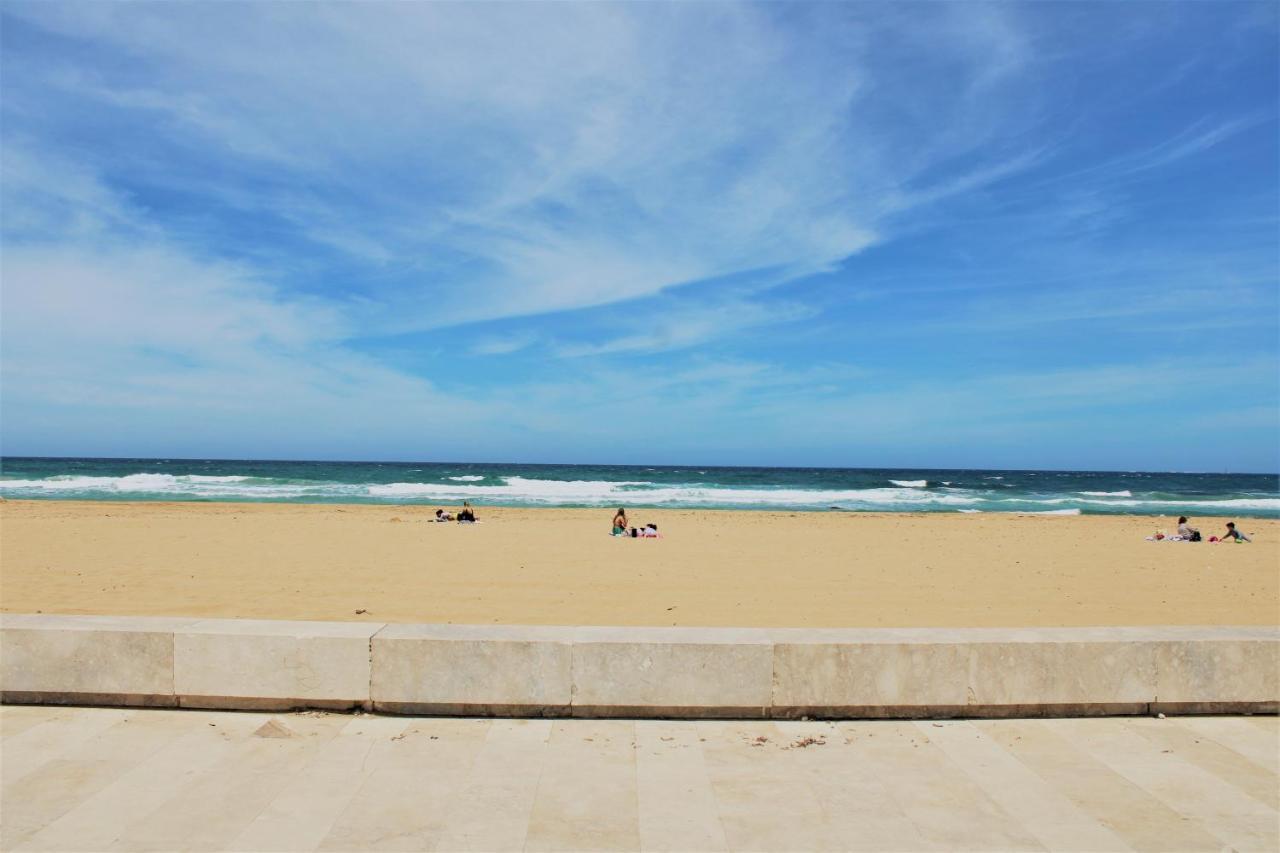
x: 1124, y: 494
x: 641, y: 492
x: 911, y: 484
x: 467, y: 478
x: 1204, y: 503
x: 1052, y: 512
x: 514, y: 488
x: 128, y: 483
x: 1237, y: 503
x: 179, y: 485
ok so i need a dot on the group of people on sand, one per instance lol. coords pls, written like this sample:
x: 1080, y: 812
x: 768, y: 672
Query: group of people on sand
x: 466, y: 515
x: 620, y: 528
x: 1187, y: 533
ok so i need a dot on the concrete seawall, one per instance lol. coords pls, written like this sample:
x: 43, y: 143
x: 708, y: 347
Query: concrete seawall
x: 637, y: 672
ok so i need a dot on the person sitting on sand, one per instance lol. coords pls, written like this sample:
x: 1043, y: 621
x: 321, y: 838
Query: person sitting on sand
x: 620, y: 522
x: 1232, y: 533
x: 650, y: 531
x: 441, y: 515
x: 466, y: 513
x: 1188, y: 534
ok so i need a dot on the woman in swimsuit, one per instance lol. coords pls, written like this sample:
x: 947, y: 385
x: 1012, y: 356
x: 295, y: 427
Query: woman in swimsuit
x: 620, y: 522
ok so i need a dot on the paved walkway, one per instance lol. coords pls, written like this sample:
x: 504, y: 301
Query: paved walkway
x: 111, y: 779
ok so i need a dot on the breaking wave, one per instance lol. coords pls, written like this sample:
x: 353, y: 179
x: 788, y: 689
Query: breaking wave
x: 789, y: 489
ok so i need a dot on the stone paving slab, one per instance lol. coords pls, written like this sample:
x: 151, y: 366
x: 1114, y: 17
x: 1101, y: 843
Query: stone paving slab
x: 160, y: 779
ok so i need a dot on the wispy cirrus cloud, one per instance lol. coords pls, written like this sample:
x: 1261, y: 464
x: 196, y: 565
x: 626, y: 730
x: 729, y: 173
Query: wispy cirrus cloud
x: 102, y: 346
x: 653, y: 328
x: 1195, y: 138
x: 508, y: 162
x: 504, y: 344
x: 1199, y: 137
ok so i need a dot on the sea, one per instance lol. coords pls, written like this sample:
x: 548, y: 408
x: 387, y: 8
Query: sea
x: 683, y: 486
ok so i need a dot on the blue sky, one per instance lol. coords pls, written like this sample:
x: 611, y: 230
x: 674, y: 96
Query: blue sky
x: 949, y: 234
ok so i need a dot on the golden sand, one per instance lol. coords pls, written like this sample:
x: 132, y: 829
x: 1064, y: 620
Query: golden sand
x: 560, y: 567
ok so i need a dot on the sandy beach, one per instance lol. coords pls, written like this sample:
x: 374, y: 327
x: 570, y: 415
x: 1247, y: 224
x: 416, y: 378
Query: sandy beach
x: 558, y: 566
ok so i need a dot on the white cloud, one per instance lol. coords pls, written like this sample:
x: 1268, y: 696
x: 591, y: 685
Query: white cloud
x: 49, y: 197
x: 661, y: 328
x: 570, y: 156
x: 1193, y: 140
x: 1197, y: 138
x: 152, y: 296
x: 503, y: 344
x: 99, y: 343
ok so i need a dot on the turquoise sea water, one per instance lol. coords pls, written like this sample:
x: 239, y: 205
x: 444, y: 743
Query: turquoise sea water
x: 847, y: 489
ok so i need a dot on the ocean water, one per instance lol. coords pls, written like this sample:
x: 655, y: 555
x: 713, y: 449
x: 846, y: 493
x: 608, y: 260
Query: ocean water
x: 815, y: 489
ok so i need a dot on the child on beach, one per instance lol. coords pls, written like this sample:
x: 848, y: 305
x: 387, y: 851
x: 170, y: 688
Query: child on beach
x: 441, y: 515
x: 1188, y: 534
x: 1232, y: 533
x: 620, y: 522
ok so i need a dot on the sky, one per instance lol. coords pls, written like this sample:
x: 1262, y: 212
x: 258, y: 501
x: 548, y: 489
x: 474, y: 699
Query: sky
x: 941, y: 235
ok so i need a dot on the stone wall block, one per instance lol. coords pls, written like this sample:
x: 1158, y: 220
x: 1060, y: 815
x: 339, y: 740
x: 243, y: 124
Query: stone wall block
x: 101, y: 655
x: 468, y: 668
x: 1218, y: 670
x: 228, y: 658
x: 862, y: 669
x: 1034, y: 672
x: 672, y: 671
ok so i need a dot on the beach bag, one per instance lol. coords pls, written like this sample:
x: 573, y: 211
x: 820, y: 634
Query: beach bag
x: 1195, y: 536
